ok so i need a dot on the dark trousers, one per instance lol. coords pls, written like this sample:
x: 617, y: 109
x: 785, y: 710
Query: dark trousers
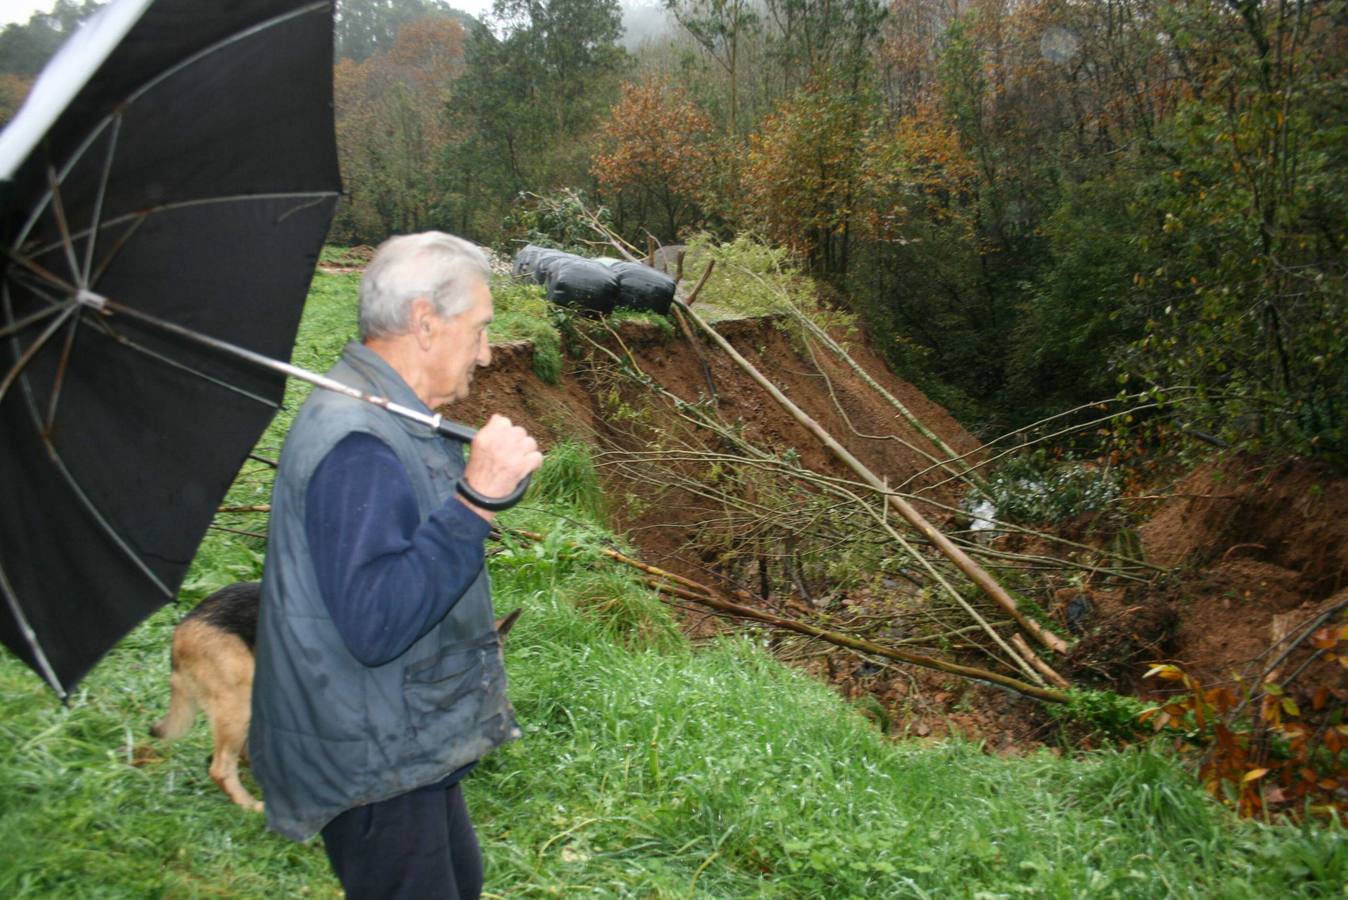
x: 417, y: 846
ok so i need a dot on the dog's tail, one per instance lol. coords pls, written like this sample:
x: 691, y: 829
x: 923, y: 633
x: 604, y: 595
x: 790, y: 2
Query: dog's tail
x: 182, y: 711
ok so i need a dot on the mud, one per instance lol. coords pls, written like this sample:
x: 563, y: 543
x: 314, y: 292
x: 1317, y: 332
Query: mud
x: 1255, y: 552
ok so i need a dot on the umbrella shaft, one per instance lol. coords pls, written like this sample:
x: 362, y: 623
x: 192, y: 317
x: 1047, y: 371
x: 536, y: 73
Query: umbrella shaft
x: 434, y: 421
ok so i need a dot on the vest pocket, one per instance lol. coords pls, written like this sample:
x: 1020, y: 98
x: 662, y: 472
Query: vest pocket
x: 442, y: 682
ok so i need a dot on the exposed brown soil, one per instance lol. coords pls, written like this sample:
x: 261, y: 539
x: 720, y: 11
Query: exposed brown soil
x: 1255, y: 552
x: 1260, y: 552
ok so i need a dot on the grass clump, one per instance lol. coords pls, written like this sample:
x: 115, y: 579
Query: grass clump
x: 1114, y: 717
x: 523, y: 314
x: 568, y: 479
x: 661, y: 324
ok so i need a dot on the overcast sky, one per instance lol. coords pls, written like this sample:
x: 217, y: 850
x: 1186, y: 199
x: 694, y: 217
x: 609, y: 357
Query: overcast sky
x: 21, y: 10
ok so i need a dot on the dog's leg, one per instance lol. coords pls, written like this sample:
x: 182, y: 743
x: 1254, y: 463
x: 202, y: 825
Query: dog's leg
x: 181, y: 713
x: 220, y: 666
x: 229, y: 711
x: 229, y: 740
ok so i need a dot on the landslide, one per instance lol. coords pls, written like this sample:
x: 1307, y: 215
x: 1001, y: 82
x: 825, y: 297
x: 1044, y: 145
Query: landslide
x: 1254, y: 553
x: 584, y: 406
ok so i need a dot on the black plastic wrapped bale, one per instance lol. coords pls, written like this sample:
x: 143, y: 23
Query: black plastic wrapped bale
x: 582, y: 284
x: 537, y: 262
x: 641, y: 287
x: 525, y: 261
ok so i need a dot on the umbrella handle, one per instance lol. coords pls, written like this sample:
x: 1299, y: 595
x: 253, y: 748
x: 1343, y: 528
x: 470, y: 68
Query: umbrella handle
x: 495, y: 504
x: 464, y: 434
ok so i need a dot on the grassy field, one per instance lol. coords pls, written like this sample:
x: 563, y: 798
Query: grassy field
x: 648, y: 768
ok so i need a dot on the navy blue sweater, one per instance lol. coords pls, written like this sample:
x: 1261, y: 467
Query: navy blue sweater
x: 387, y: 577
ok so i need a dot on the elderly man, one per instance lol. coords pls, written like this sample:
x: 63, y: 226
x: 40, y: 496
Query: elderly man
x: 379, y: 682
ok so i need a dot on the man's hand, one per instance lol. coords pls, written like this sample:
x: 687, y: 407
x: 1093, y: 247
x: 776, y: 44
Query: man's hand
x: 498, y: 459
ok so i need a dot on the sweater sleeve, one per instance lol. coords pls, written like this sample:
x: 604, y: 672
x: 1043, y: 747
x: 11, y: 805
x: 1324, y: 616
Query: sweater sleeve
x: 386, y: 577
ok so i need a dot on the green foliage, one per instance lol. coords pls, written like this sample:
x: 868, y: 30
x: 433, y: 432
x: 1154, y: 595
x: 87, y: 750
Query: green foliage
x: 752, y: 278
x: 1035, y: 489
x: 661, y: 324
x: 802, y: 171
x: 521, y: 313
x: 1074, y: 323
x: 524, y: 110
x: 1111, y: 716
x: 390, y: 120
x: 559, y: 220
x: 1245, y: 293
x: 567, y: 479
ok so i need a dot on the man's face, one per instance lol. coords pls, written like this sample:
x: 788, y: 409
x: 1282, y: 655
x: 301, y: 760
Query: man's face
x: 458, y: 346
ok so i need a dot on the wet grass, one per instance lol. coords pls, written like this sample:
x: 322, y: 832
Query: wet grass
x: 649, y: 767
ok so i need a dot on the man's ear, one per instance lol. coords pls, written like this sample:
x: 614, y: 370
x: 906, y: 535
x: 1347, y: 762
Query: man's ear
x: 422, y: 322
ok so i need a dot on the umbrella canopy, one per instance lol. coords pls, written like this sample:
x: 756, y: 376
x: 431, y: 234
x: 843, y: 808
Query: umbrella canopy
x: 174, y: 167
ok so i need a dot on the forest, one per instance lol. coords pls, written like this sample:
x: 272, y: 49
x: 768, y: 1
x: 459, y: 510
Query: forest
x: 1030, y: 205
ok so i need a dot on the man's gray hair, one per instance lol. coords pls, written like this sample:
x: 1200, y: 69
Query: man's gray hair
x: 438, y: 266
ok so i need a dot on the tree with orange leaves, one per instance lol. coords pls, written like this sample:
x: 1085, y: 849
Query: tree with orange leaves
x: 802, y: 173
x: 654, y: 159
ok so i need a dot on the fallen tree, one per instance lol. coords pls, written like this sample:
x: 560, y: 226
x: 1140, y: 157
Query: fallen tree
x: 674, y: 585
x: 976, y: 573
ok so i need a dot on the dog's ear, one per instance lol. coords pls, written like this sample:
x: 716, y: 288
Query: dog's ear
x: 503, y: 626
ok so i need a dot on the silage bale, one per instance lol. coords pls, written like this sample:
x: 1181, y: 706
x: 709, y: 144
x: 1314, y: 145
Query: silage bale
x: 641, y: 287
x: 525, y: 260
x: 538, y: 262
x: 582, y: 284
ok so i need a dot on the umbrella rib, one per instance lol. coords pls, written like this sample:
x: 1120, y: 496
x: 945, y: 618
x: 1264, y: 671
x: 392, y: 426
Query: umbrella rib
x: 102, y: 193
x: 103, y: 522
x: 116, y: 249
x: 43, y: 274
x: 140, y: 215
x: 26, y: 357
x: 43, y: 664
x: 38, y: 287
x: 41, y: 206
x: 56, y: 456
x: 59, y: 381
x: 59, y: 210
x: 20, y: 324
x: 223, y: 43
x: 169, y: 361
x: 11, y: 597
x: 135, y: 95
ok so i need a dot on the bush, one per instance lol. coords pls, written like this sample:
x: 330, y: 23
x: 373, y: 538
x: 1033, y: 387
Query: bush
x: 1033, y: 489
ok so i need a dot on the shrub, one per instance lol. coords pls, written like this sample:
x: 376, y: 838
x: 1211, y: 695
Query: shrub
x: 1034, y: 489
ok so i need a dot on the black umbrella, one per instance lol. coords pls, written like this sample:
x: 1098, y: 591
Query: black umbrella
x: 173, y: 174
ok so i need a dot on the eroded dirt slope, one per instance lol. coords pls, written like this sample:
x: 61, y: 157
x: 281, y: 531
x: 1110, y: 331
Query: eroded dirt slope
x: 1256, y: 553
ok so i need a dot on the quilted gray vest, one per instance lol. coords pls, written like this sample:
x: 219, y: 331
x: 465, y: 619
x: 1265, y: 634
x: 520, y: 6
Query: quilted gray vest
x: 329, y: 733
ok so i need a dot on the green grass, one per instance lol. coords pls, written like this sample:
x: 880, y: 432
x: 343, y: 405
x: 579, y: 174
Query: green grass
x: 661, y: 324
x: 649, y: 767
x: 568, y: 480
x: 522, y: 314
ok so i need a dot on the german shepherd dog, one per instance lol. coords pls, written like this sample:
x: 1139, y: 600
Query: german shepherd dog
x: 213, y: 670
